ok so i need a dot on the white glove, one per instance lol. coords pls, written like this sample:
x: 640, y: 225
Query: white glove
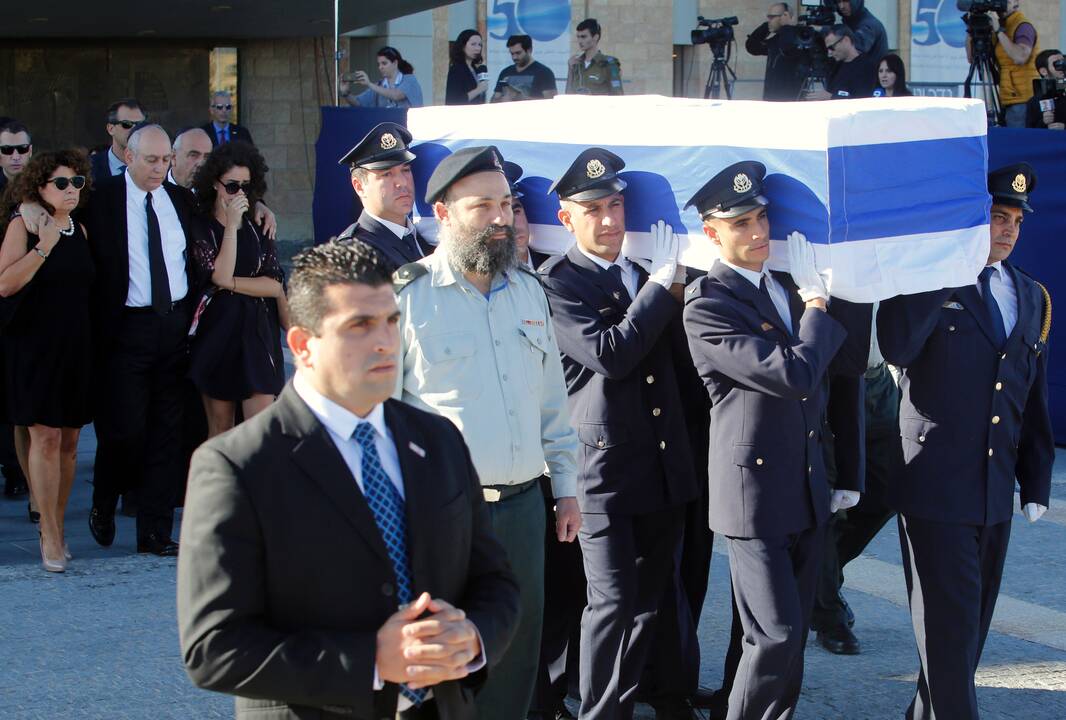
x: 804, y: 270
x: 1033, y: 511
x: 664, y: 248
x: 842, y: 499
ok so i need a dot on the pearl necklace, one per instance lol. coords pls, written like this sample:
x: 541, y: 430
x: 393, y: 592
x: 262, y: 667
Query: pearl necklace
x: 69, y: 229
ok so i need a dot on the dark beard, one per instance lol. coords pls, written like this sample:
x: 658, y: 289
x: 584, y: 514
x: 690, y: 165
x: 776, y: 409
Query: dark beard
x: 474, y: 251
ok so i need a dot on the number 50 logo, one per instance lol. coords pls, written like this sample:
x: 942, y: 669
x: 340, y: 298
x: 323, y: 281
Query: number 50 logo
x: 937, y: 21
x: 542, y: 20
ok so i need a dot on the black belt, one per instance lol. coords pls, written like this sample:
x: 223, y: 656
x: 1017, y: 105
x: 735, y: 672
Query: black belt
x: 176, y: 305
x: 497, y: 493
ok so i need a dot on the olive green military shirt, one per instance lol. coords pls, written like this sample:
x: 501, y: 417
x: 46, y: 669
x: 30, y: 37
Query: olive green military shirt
x: 602, y: 76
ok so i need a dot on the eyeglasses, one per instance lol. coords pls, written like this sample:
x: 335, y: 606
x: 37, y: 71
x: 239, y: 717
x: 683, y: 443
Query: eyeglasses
x: 126, y: 124
x: 830, y: 47
x: 233, y: 186
x: 771, y: 17
x: 222, y: 107
x: 10, y: 149
x: 78, y: 181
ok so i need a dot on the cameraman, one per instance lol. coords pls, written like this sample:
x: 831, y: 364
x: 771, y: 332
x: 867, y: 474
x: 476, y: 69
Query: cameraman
x: 1016, y: 48
x: 1054, y: 117
x: 870, y: 36
x: 855, y: 73
x: 773, y: 39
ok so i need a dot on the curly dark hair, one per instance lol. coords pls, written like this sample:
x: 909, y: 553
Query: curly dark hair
x: 219, y: 162
x: 457, y: 53
x: 26, y: 187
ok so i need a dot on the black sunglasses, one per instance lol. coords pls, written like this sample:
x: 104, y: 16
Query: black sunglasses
x: 78, y: 181
x: 127, y: 124
x: 233, y: 186
x: 222, y: 107
x: 10, y: 149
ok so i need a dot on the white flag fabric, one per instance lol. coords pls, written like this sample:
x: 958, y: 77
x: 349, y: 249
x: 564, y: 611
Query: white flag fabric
x: 891, y: 192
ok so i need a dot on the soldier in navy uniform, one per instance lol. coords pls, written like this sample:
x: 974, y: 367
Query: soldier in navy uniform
x: 974, y: 418
x: 635, y: 473
x: 381, y: 177
x: 765, y: 346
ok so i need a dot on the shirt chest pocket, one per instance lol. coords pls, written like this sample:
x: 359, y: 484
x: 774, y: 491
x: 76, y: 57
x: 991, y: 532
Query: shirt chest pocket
x: 449, y: 369
x: 533, y: 346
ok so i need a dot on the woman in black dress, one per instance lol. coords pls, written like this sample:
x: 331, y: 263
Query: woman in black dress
x: 236, y: 346
x: 467, y: 76
x: 46, y: 279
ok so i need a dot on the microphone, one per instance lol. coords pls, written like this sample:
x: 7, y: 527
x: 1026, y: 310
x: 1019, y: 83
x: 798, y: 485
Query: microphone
x: 482, y: 73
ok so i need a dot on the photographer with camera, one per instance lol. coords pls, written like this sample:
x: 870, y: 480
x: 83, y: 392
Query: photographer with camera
x: 854, y: 74
x: 1047, y: 107
x: 870, y: 36
x: 774, y: 38
x: 1015, y: 51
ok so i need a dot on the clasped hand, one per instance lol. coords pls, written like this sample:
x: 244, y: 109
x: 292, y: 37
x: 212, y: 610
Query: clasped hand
x: 424, y: 651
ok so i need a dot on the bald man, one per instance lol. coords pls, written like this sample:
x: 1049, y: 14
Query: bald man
x: 191, y: 148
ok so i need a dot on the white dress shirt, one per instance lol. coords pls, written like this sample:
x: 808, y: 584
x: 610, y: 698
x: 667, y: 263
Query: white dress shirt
x: 630, y: 278
x: 399, y: 231
x: 174, y: 246
x: 777, y: 293
x: 114, y: 164
x: 1006, y: 296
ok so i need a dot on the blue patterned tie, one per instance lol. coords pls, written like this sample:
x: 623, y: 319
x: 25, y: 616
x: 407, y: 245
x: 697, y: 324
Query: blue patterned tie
x: 998, y: 328
x: 387, y: 506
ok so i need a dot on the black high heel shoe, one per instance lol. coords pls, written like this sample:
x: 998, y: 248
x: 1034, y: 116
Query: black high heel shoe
x: 35, y: 517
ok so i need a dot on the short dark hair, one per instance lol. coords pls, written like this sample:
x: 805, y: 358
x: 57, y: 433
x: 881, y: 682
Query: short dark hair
x: 131, y: 103
x: 1042, y: 59
x: 15, y: 127
x: 840, y: 31
x: 524, y: 40
x: 337, y: 262
x: 592, y: 25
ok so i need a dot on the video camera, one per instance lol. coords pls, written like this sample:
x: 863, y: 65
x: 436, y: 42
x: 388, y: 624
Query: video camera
x: 1049, y: 88
x: 821, y: 14
x: 980, y: 7
x: 714, y: 32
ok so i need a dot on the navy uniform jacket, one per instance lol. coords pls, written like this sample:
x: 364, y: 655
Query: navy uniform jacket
x: 618, y: 363
x: 973, y: 417
x: 99, y: 168
x: 398, y: 251
x: 768, y: 391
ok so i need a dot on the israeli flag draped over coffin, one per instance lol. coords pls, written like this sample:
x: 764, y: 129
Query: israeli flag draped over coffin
x: 891, y: 192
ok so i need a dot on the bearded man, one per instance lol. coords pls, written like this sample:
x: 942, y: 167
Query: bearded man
x: 478, y: 347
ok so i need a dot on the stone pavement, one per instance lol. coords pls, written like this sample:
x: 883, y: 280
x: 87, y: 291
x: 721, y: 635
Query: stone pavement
x: 101, y: 640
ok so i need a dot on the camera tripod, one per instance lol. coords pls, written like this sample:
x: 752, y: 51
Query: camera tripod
x: 720, y: 74
x: 983, y: 68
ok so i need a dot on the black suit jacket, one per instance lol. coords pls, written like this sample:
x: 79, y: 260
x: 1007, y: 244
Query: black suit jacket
x: 284, y: 580
x: 398, y: 251
x: 100, y: 167
x: 236, y: 132
x: 618, y: 362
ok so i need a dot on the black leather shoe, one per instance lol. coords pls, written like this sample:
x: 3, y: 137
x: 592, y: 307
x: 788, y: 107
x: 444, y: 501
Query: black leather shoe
x: 715, y: 702
x: 102, y: 526
x: 839, y: 640
x: 677, y: 710
x: 847, y: 609
x: 128, y: 506
x: 159, y: 545
x: 35, y: 517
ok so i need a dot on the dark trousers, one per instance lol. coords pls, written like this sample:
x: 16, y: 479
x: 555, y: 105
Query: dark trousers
x: 953, y: 574
x: 774, y: 582
x: 139, y: 417
x: 850, y: 531
x: 564, y: 601
x: 629, y: 563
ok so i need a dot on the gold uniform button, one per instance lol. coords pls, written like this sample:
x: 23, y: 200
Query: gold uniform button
x: 600, y: 443
x: 650, y: 379
x: 995, y: 419
x: 662, y: 444
x: 989, y: 452
x: 656, y: 412
x: 999, y: 386
x: 758, y: 461
x: 921, y: 438
x: 951, y: 328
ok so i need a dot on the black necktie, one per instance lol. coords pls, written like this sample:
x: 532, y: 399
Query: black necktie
x: 764, y: 288
x: 412, y: 244
x: 616, y: 273
x: 998, y: 328
x: 157, y: 266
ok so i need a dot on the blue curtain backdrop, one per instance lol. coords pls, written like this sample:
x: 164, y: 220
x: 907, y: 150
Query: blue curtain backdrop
x: 1041, y: 250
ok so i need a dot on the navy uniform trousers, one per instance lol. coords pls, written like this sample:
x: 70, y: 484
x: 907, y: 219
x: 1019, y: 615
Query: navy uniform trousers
x: 973, y: 420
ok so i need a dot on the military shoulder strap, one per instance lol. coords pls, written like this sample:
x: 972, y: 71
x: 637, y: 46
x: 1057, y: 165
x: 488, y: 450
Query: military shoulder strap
x: 694, y: 289
x: 1045, y: 325
x: 407, y: 274
x: 550, y: 264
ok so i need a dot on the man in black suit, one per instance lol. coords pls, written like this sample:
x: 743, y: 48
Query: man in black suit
x: 337, y: 558
x: 220, y: 129
x: 122, y: 116
x: 635, y: 471
x: 381, y: 176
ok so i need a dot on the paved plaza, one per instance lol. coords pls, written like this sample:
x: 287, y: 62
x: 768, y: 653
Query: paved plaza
x: 101, y: 640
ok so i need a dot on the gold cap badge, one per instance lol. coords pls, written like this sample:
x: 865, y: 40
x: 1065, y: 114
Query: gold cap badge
x: 594, y: 169
x: 741, y: 183
x: 1019, y: 183
x: 388, y: 142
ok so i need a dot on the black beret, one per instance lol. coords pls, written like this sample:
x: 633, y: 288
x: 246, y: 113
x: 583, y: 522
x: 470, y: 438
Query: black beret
x: 382, y: 148
x: 460, y: 164
x: 1011, y: 185
x: 513, y: 171
x: 592, y: 175
x: 734, y: 191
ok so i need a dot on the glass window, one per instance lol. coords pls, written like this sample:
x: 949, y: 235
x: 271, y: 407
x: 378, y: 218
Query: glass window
x: 224, y: 75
